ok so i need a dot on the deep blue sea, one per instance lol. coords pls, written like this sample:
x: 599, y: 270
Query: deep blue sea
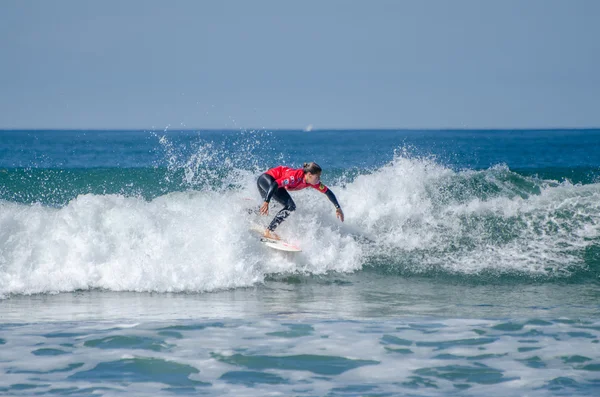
x: 468, y: 264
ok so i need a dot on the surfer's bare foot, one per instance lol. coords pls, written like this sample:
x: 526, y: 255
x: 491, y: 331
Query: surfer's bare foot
x: 271, y: 235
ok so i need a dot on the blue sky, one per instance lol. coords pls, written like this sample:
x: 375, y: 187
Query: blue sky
x: 282, y: 64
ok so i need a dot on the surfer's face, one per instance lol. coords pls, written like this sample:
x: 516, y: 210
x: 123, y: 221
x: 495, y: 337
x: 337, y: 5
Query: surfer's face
x: 312, y: 179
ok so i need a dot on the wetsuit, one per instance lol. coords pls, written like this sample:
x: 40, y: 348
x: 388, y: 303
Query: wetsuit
x: 277, y: 181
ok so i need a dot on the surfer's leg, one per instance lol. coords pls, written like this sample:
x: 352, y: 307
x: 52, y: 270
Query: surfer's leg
x: 284, y: 198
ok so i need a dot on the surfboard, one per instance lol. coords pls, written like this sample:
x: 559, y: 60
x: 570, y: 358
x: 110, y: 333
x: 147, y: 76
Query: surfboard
x: 280, y: 245
x: 275, y: 244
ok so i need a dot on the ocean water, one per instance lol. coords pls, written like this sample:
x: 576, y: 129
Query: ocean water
x: 468, y: 264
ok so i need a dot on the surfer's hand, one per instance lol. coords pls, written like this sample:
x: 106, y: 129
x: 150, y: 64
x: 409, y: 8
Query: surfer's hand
x: 339, y: 214
x: 264, y: 209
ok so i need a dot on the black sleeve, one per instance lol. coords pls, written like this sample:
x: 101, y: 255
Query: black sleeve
x: 272, y: 188
x: 332, y: 198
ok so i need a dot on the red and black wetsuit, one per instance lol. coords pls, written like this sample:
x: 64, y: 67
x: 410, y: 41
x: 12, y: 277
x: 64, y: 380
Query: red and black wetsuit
x: 277, y: 181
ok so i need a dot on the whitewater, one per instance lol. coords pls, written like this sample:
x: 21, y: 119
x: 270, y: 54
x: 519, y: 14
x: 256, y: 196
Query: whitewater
x: 412, y: 214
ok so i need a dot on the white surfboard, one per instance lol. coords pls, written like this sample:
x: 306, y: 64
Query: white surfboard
x: 280, y: 245
x: 275, y: 244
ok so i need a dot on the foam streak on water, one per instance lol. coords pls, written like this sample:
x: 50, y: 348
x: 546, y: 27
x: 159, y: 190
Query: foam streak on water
x: 288, y: 356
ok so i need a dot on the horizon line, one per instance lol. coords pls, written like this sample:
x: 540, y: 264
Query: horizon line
x: 311, y: 130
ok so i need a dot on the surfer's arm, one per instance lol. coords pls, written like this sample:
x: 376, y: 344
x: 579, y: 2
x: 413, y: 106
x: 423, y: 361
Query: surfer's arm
x: 272, y: 189
x: 326, y: 191
x: 338, y: 210
x: 332, y: 198
x: 264, y: 208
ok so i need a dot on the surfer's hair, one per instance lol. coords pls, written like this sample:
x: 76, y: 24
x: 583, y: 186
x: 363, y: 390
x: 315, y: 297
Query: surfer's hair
x: 312, y: 167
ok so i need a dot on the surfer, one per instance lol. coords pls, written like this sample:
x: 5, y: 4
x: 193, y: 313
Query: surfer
x: 276, y: 182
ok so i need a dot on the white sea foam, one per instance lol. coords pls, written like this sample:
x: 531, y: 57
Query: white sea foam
x: 410, y: 206
x: 195, y: 241
x: 199, y: 240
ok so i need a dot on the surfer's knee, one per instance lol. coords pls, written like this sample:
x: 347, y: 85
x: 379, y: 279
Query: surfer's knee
x: 290, y: 206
